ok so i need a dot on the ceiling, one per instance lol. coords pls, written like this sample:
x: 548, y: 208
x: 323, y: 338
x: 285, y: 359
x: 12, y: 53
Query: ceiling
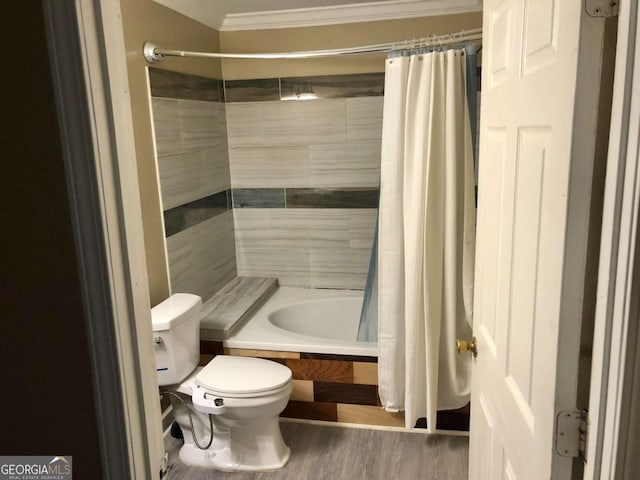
x: 262, y: 14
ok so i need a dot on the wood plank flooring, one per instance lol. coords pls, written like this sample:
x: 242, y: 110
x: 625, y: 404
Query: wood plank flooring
x: 337, y: 453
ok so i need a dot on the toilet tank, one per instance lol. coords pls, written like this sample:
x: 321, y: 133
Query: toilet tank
x: 176, y: 335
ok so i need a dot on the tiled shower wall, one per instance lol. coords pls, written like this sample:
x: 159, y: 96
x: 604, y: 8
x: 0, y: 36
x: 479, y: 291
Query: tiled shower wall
x: 305, y: 177
x: 257, y: 185
x: 193, y: 166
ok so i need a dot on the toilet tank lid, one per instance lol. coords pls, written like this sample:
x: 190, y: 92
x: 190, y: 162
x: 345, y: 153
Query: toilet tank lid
x: 174, y: 310
x: 242, y: 375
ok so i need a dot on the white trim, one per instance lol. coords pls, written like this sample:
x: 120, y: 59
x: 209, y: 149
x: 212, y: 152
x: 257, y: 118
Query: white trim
x: 107, y: 91
x: 206, y: 14
x: 340, y: 14
x: 618, y: 260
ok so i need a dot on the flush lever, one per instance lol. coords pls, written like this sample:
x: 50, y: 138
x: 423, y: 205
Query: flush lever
x: 206, y: 403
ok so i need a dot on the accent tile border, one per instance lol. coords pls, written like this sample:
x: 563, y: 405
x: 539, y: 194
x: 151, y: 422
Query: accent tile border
x: 289, y: 88
x: 332, y: 197
x: 189, y: 214
x: 334, y: 86
x: 179, y: 218
x: 305, y: 197
x: 258, y: 197
x: 254, y: 90
x: 168, y: 84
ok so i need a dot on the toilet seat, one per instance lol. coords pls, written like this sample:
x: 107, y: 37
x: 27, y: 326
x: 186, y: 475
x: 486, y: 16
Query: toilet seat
x: 242, y: 377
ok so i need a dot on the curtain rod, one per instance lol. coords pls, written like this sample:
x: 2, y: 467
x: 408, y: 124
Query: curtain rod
x: 154, y: 54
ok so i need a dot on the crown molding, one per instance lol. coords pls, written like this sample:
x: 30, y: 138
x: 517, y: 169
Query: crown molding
x: 340, y: 14
x: 196, y: 10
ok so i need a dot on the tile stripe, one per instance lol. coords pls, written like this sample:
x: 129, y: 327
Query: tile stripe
x: 258, y: 198
x: 189, y: 214
x: 322, y: 86
x: 332, y: 197
x: 305, y: 197
x: 167, y: 84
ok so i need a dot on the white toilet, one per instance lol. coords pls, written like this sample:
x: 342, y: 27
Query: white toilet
x: 240, y: 397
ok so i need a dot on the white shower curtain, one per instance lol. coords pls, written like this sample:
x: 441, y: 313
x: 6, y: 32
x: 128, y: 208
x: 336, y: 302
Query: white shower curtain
x: 426, y: 236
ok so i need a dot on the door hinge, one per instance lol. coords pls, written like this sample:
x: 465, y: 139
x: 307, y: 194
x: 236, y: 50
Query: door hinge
x: 164, y: 467
x: 571, y: 433
x: 601, y: 8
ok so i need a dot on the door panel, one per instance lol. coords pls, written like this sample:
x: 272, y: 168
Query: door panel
x: 526, y: 268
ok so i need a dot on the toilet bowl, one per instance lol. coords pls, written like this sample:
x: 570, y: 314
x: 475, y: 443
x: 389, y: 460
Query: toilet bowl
x: 240, y: 397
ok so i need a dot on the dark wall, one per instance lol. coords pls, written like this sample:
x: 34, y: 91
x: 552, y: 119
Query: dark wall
x: 47, y: 402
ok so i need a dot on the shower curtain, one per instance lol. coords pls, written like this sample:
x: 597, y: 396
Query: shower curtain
x: 426, y: 236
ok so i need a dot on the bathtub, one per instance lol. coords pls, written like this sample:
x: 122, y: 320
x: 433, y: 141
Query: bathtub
x: 306, y: 320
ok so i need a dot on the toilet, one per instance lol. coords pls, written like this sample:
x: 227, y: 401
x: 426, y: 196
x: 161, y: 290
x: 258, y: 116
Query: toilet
x: 229, y: 409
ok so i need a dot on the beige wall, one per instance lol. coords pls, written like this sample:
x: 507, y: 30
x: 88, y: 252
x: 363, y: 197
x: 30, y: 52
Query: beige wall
x: 326, y: 37
x: 147, y: 20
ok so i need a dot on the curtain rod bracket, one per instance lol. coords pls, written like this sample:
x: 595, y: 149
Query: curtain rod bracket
x: 150, y: 54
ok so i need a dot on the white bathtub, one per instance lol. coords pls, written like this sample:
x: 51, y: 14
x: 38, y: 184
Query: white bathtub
x: 306, y: 320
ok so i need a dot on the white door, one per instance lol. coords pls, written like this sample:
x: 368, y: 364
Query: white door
x: 541, y: 63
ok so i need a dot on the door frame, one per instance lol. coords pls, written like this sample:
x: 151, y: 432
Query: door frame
x: 89, y: 78
x: 614, y: 372
x: 126, y: 311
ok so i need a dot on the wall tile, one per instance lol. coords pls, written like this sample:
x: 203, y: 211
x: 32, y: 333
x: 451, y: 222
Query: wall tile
x: 262, y: 89
x: 294, y: 228
x: 246, y: 352
x: 342, y: 358
x: 305, y: 122
x: 169, y: 84
x: 345, y: 393
x: 280, y: 166
x: 354, y: 164
x: 365, y: 373
x: 245, y: 124
x: 202, y: 124
x: 289, y: 265
x: 258, y: 198
x: 189, y: 214
x: 335, y: 86
x: 302, y: 391
x: 368, y: 415
x: 309, y: 227
x: 339, y: 268
x: 279, y: 123
x: 321, y: 370
x: 364, y: 118
x: 213, y: 348
x: 188, y: 176
x: 311, y: 411
x: 305, y: 247
x: 362, y: 226
x: 332, y: 198
x: 166, y: 125
x: 202, y: 258
x: 252, y: 228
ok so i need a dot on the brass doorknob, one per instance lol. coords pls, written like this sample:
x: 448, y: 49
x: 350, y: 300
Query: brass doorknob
x: 465, y: 346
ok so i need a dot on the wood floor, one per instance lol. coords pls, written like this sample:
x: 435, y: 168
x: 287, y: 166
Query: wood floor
x: 336, y: 453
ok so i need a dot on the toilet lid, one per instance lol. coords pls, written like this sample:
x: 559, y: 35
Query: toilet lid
x: 242, y: 375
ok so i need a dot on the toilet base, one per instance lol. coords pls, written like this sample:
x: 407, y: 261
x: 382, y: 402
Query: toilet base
x: 257, y: 448
x: 221, y: 460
